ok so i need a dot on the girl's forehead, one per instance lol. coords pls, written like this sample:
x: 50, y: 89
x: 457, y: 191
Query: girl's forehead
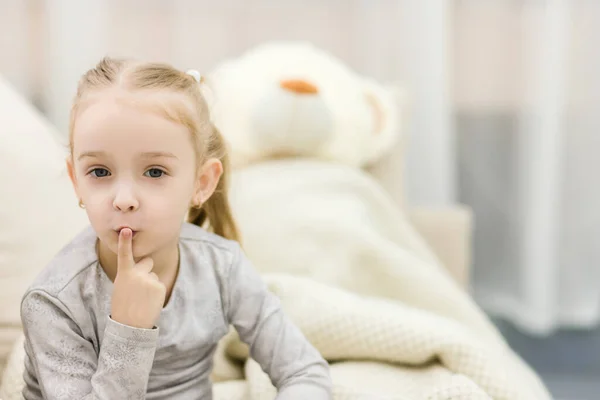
x: 117, y: 124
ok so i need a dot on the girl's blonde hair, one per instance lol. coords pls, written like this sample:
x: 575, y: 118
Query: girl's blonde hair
x: 215, y: 213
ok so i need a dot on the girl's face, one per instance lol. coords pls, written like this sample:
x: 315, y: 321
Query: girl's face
x: 133, y: 168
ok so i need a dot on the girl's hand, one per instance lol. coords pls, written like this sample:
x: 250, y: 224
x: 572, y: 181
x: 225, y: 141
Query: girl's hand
x: 138, y: 295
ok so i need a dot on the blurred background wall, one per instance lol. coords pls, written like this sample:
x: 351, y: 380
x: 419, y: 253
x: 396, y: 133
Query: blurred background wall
x: 503, y: 114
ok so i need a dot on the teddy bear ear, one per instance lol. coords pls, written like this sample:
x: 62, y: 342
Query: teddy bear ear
x: 385, y: 103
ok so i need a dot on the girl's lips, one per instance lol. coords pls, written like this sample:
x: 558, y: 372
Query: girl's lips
x: 132, y: 232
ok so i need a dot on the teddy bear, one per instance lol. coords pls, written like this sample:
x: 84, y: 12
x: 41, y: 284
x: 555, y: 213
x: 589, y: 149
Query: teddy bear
x: 302, y: 127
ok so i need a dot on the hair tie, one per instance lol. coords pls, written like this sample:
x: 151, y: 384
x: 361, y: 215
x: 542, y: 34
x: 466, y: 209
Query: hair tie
x: 195, y: 74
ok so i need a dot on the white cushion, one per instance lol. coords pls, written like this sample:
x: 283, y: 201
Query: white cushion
x: 38, y: 207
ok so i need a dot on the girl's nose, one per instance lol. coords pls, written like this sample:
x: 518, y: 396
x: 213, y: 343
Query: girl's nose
x: 125, y: 199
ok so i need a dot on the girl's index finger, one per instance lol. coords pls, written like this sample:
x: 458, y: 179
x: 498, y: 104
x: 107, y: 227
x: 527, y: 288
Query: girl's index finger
x: 125, y: 252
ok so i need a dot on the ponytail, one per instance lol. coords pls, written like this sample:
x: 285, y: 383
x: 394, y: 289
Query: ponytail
x: 216, y: 213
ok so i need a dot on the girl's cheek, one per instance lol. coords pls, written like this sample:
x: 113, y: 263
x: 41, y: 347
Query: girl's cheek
x: 98, y: 197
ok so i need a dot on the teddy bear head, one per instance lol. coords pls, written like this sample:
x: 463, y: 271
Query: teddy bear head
x: 292, y: 99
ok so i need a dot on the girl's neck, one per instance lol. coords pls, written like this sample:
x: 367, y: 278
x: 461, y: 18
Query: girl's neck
x: 166, y: 264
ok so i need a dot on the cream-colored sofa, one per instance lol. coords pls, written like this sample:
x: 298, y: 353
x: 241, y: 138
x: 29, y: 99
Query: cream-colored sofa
x: 39, y: 213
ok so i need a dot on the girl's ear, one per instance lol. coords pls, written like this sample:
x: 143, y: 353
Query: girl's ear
x: 72, y: 176
x: 207, y: 181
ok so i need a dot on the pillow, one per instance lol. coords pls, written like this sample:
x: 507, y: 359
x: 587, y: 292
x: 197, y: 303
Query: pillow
x: 38, y: 207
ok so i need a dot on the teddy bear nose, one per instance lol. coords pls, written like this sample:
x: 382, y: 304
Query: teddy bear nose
x: 299, y: 86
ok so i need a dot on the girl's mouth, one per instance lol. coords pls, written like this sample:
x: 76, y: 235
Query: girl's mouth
x: 133, y: 233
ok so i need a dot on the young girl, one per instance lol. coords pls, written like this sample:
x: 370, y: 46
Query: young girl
x: 134, y: 306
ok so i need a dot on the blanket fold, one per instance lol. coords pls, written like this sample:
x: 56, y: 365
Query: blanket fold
x: 383, y: 349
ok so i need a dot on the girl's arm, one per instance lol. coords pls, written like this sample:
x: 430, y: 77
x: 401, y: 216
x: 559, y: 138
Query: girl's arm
x: 295, y: 367
x: 60, y: 363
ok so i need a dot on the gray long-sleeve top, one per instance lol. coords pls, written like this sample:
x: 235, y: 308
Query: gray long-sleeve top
x: 74, y: 350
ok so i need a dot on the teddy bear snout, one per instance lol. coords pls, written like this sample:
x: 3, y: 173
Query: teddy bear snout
x: 291, y: 118
x: 299, y: 86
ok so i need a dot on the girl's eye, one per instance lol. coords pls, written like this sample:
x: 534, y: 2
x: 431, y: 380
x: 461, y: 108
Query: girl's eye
x: 154, y: 173
x: 99, y: 172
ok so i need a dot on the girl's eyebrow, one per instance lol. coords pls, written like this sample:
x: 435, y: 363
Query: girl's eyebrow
x: 157, y: 154
x: 91, y: 154
x: 148, y: 154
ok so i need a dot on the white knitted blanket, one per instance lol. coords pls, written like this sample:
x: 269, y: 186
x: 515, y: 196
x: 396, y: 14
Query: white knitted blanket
x: 381, y: 349
x: 365, y: 288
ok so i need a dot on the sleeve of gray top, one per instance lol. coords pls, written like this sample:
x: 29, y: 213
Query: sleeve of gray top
x: 294, y: 366
x: 61, y: 364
